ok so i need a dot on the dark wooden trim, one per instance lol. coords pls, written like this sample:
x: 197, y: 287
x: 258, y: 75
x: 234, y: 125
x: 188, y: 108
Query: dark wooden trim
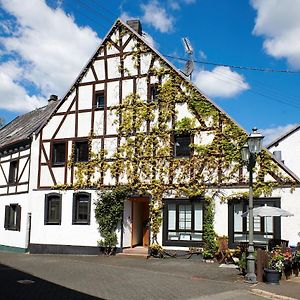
x: 11, y: 159
x: 94, y: 72
x: 23, y: 170
x: 93, y: 110
x: 3, y: 173
x: 48, y: 164
x: 64, y: 118
x: 15, y: 193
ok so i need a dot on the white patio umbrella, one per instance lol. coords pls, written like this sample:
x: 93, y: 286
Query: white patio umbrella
x: 268, y: 211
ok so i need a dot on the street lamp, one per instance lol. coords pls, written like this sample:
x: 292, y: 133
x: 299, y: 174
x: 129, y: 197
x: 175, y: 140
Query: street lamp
x: 248, y: 154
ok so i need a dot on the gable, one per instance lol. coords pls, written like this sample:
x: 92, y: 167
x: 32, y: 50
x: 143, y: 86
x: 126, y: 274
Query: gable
x: 132, y: 136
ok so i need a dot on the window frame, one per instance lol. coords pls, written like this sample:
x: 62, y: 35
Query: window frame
x: 256, y: 202
x: 76, y: 143
x: 182, y: 135
x: 153, y: 97
x: 60, y: 163
x: 177, y: 202
x: 95, y: 102
x: 76, y: 200
x: 16, y: 210
x: 13, y: 171
x: 47, y: 206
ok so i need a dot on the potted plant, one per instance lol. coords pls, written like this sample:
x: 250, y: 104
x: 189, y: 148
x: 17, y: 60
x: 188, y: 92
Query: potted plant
x: 273, y: 273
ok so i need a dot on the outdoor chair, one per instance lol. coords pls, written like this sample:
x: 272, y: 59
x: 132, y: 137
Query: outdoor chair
x: 223, y: 254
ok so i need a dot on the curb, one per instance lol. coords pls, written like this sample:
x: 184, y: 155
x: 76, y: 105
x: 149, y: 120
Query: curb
x: 270, y: 295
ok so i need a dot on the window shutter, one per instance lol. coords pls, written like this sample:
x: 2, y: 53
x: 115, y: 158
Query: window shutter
x: 6, y: 218
x: 18, y: 218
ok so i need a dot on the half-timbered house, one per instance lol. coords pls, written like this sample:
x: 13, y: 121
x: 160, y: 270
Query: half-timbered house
x: 18, y: 149
x: 132, y: 119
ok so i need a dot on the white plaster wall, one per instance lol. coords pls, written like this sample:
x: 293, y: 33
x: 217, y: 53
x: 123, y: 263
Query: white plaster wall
x: 112, y: 120
x: 84, y: 124
x: 99, y: 69
x: 89, y: 76
x: 99, y: 122
x: 113, y: 65
x: 127, y: 221
x: 68, y: 127
x: 127, y: 88
x: 290, y: 151
x: 10, y: 237
x: 85, y: 97
x: 112, y: 93
x: 66, y: 233
x: 51, y: 127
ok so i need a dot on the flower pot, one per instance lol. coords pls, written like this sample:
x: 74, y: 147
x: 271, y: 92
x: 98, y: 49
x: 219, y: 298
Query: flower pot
x: 272, y: 276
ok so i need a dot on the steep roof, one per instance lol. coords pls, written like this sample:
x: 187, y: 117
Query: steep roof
x: 24, y: 126
x: 284, y: 136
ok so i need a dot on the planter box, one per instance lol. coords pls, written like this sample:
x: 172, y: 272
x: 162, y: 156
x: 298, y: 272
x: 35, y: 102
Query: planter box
x: 272, y: 276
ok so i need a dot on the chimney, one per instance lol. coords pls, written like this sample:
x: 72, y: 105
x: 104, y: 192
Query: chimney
x: 135, y: 25
x: 52, y: 98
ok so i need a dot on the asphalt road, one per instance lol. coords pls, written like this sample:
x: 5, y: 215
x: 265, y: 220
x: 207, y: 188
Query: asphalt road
x: 56, y: 277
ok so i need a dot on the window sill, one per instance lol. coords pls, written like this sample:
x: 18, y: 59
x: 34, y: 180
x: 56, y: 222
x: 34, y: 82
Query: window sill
x: 59, y: 164
x: 80, y: 223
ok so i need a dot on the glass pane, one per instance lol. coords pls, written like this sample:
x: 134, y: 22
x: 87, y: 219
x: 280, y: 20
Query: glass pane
x: 53, y: 210
x: 171, y: 216
x: 196, y: 236
x: 269, y: 224
x: 238, y: 220
x: 82, y: 210
x: 182, y: 145
x: 198, y: 217
x: 185, y: 217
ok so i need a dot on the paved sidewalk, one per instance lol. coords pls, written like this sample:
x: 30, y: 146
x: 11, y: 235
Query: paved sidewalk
x: 91, y: 277
x: 287, y: 289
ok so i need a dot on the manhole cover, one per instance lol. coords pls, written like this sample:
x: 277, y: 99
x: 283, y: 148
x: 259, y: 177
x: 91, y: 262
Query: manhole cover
x: 25, y: 281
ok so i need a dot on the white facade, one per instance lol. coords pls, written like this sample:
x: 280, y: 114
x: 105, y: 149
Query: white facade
x: 87, y: 118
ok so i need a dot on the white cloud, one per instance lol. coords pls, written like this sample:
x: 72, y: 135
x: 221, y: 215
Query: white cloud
x: 49, y: 49
x: 202, y: 55
x: 272, y: 133
x: 220, y: 82
x: 279, y: 23
x: 13, y: 96
x: 174, y: 5
x: 156, y: 16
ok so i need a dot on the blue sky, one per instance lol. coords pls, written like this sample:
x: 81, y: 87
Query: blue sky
x: 44, y: 45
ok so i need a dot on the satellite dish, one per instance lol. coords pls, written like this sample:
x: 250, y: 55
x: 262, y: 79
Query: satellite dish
x: 189, y: 66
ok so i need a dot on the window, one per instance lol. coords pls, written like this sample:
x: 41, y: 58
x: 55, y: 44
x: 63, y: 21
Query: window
x: 59, y: 153
x: 99, y: 99
x: 182, y: 145
x: 153, y: 92
x: 265, y: 228
x: 12, y: 217
x: 183, y: 222
x: 53, y: 209
x: 13, y: 171
x: 81, y: 208
x: 81, y: 151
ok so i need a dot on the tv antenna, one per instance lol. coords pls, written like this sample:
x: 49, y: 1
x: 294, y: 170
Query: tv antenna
x: 189, y: 66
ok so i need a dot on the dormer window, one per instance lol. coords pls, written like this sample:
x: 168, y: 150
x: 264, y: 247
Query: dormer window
x: 99, y: 100
x: 182, y: 145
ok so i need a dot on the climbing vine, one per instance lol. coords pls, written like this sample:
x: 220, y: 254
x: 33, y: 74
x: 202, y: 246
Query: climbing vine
x: 145, y: 162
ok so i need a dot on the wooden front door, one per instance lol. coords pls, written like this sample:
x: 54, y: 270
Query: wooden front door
x: 140, y: 222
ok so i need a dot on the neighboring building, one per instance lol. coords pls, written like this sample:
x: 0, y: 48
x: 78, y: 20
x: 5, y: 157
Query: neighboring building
x: 131, y: 118
x: 287, y: 149
x: 18, y: 150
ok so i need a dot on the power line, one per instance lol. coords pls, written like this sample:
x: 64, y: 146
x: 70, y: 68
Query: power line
x: 233, y: 66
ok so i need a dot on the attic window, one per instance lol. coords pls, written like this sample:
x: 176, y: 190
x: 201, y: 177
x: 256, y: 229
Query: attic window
x: 13, y: 171
x: 153, y: 92
x: 81, y: 151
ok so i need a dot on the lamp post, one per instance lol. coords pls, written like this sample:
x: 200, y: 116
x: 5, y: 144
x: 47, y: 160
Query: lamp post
x: 248, y: 154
